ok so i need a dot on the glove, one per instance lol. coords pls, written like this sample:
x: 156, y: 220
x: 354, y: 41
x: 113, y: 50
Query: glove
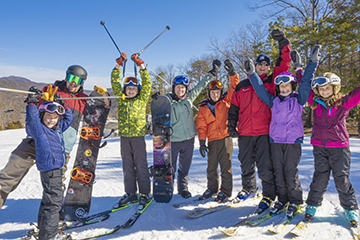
x: 58, y: 99
x: 33, y: 98
x: 122, y: 59
x: 315, y: 53
x: 233, y: 133
x: 295, y: 57
x: 215, y: 67
x: 203, y: 148
x: 138, y: 61
x: 277, y: 35
x: 230, y: 68
x: 155, y: 96
x: 249, y: 66
x: 49, y: 94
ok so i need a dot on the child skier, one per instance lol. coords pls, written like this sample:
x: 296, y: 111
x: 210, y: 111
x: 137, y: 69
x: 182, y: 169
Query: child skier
x: 330, y: 141
x: 132, y: 129
x: 286, y: 129
x: 211, y: 123
x: 182, y: 123
x: 46, y: 125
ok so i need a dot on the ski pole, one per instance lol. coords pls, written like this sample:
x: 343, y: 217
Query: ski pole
x: 15, y: 90
x: 97, y: 97
x: 167, y: 28
x: 103, y: 24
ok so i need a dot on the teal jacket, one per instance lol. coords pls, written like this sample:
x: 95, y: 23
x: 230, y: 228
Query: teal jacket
x: 132, y: 112
x: 182, y: 119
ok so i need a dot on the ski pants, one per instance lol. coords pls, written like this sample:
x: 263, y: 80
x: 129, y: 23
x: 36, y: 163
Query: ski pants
x: 51, y: 202
x: 135, y: 166
x: 337, y: 161
x: 255, y: 151
x: 14, y: 172
x: 220, y: 152
x: 185, y: 151
x: 286, y: 158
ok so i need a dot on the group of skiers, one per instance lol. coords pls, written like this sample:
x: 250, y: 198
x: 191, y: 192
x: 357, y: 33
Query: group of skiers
x: 264, y: 112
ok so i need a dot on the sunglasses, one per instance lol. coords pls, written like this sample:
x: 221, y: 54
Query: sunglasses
x: 215, y: 85
x: 263, y: 63
x: 75, y: 79
x: 322, y: 81
x: 181, y: 80
x: 283, y: 79
x: 52, y: 107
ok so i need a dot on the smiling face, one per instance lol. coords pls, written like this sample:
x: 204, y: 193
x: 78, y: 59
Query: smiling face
x: 262, y: 68
x: 180, y: 90
x: 326, y: 91
x: 285, y: 87
x: 131, y: 91
x: 72, y: 87
x: 50, y: 119
x: 215, y: 95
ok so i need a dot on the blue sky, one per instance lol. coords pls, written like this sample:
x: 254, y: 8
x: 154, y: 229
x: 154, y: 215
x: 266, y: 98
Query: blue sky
x: 40, y: 39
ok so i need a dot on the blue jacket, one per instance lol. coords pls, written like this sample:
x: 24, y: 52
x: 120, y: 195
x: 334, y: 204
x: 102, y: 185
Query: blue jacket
x: 286, y: 112
x: 49, y: 144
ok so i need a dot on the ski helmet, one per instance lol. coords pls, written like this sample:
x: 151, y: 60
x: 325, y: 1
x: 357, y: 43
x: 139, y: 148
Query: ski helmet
x: 215, y: 85
x: 180, y: 80
x: 76, y: 73
x: 325, y: 79
x: 285, y: 77
x: 131, y: 82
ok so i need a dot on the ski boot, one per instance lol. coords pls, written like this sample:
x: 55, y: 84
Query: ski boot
x: 131, y: 197
x: 221, y: 197
x: 143, y: 200
x: 263, y: 205
x: 278, y: 206
x: 292, y: 209
x: 207, y: 194
x: 83, y: 176
x: 243, y: 195
x: 310, y: 212
x: 90, y: 132
x: 352, y: 217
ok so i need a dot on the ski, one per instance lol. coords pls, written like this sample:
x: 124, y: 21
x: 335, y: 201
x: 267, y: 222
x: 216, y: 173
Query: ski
x: 91, y: 219
x: 233, y: 230
x: 264, y: 217
x: 355, y: 231
x: 128, y: 224
x: 202, y: 211
x: 301, y: 227
x: 283, y: 222
x: 197, y: 200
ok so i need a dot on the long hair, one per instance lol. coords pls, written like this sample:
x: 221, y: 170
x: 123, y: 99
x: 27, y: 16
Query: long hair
x: 331, y: 102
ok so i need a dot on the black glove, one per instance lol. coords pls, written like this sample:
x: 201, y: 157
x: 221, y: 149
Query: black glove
x: 203, y: 148
x: 315, y: 53
x: 249, y: 66
x: 58, y: 99
x: 233, y: 133
x: 155, y: 96
x: 33, y: 98
x: 277, y: 35
x: 295, y: 57
x: 230, y: 68
x: 215, y: 67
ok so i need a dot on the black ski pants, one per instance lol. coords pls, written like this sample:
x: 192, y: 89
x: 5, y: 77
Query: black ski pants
x: 135, y: 166
x: 337, y: 161
x: 185, y: 151
x: 286, y: 158
x: 51, y: 202
x: 220, y: 152
x: 255, y: 151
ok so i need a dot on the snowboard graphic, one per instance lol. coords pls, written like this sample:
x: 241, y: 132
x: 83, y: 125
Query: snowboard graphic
x: 78, y: 195
x: 161, y: 171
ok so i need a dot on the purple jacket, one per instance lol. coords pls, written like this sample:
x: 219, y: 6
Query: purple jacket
x: 329, y: 128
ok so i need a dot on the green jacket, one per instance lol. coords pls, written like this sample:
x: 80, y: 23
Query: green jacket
x: 132, y: 112
x: 182, y: 119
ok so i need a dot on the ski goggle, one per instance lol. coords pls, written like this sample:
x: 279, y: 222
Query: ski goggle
x: 322, y: 81
x: 215, y: 85
x: 52, y: 107
x: 181, y: 80
x: 131, y: 81
x: 75, y: 79
x: 283, y: 79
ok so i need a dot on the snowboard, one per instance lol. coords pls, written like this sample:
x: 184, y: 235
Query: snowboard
x: 161, y: 171
x: 78, y: 196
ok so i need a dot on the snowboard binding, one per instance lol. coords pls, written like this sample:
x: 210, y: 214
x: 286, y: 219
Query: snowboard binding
x: 90, y: 132
x: 161, y: 171
x: 83, y: 176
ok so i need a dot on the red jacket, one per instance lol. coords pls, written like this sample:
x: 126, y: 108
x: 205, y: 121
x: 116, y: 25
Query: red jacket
x: 247, y: 112
x: 215, y: 127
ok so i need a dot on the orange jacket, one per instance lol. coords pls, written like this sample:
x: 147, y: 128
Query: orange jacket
x: 216, y: 127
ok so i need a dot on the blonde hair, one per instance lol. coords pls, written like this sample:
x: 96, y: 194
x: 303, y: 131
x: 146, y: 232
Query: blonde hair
x: 331, y: 102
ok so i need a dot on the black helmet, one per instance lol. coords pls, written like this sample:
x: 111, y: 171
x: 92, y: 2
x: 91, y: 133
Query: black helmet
x: 77, y: 70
